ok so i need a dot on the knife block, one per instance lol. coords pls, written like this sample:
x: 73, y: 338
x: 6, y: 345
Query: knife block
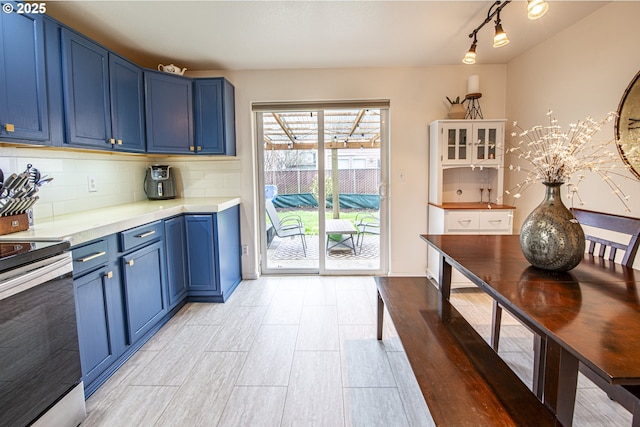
x: 14, y: 223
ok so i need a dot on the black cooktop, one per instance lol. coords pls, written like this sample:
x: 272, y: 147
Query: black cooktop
x: 15, y: 254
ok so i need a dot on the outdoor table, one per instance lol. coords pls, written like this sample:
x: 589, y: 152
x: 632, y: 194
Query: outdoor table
x: 344, y: 227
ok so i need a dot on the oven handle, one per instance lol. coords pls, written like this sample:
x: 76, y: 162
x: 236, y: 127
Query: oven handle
x: 35, y: 274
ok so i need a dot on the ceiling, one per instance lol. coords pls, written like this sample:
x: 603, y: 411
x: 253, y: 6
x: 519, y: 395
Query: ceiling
x: 254, y: 35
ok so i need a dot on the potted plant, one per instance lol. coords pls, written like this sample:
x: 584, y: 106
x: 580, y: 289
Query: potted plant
x: 456, y: 110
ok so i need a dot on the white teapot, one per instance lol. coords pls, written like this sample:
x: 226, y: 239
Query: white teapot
x: 171, y: 69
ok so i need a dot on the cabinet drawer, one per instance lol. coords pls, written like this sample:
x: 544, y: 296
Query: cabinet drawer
x: 140, y: 235
x: 459, y: 221
x: 89, y: 256
x: 496, y: 220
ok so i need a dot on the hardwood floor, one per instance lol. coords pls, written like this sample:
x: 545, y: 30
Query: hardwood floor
x: 296, y: 351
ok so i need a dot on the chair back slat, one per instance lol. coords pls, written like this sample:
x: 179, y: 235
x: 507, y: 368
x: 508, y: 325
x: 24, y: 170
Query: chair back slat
x: 618, y: 223
x: 273, y: 215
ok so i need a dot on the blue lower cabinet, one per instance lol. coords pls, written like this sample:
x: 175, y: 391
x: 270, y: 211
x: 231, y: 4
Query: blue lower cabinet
x: 175, y: 244
x: 99, y: 312
x: 144, y: 287
x: 213, y: 254
x: 201, y: 256
x: 227, y: 237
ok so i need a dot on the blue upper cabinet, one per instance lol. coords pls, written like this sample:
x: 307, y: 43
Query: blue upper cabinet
x: 85, y: 69
x: 104, y: 106
x: 169, y: 116
x: 24, y: 115
x: 127, y: 105
x: 215, y: 120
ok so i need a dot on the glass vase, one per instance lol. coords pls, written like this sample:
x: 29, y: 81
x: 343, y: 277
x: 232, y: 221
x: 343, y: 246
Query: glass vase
x: 550, y: 236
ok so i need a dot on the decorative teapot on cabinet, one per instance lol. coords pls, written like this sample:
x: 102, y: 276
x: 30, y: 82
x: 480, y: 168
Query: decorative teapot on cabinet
x: 173, y: 69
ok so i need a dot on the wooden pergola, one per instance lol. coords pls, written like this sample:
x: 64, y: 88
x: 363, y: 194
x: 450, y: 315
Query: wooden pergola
x: 343, y: 129
x: 298, y: 130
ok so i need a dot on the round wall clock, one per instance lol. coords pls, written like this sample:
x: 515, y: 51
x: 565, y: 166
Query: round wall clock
x: 628, y: 126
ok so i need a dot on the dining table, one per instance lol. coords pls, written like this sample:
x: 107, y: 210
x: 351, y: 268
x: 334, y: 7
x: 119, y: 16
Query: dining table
x: 589, y: 315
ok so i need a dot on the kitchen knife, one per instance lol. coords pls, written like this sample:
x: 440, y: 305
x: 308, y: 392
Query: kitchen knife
x: 19, y: 182
x: 32, y: 201
x: 8, y: 182
x: 9, y: 207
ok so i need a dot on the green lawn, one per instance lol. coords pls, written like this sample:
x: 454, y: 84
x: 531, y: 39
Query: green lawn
x: 310, y: 218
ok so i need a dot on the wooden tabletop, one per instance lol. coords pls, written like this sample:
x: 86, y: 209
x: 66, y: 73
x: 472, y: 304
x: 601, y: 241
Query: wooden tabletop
x: 593, y: 311
x: 470, y: 205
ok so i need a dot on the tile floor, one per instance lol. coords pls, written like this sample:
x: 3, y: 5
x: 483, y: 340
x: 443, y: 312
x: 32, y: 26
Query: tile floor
x: 295, y: 351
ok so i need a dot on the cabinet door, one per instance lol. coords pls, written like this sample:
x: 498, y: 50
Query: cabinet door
x: 23, y: 90
x: 127, y: 105
x: 96, y: 322
x: 176, y: 246
x: 214, y: 116
x: 86, y: 91
x: 455, y: 144
x: 201, y: 257
x: 169, y: 118
x: 144, y: 284
x: 487, y: 143
x: 227, y: 241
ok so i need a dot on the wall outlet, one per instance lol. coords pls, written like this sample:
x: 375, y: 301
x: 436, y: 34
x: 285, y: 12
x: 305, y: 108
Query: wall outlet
x: 245, y: 250
x: 92, y: 184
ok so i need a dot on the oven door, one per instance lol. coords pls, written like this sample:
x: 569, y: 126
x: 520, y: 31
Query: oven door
x: 39, y: 355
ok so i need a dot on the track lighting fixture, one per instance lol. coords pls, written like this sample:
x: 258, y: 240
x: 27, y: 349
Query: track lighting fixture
x: 535, y: 9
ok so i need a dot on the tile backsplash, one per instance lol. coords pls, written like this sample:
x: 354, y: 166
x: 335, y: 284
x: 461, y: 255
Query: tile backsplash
x: 119, y: 177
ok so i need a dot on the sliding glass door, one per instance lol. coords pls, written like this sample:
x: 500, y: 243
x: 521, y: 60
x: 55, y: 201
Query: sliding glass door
x: 323, y: 180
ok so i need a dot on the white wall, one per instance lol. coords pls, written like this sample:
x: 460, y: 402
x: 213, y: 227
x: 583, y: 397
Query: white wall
x: 581, y: 72
x: 417, y: 97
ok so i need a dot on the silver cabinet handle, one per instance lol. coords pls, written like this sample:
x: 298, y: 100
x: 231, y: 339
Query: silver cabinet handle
x: 495, y: 220
x: 147, y: 234
x: 90, y: 257
x: 464, y: 220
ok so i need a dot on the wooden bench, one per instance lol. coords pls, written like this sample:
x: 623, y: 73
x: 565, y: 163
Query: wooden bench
x: 464, y: 382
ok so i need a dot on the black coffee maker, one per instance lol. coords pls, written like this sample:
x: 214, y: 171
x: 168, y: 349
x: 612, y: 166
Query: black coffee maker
x: 159, y: 183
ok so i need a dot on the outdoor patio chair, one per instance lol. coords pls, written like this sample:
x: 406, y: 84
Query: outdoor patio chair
x: 287, y: 226
x: 598, y: 247
x: 366, y: 223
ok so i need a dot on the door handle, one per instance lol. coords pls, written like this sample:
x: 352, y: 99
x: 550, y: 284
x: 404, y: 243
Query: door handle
x: 130, y: 263
x: 382, y: 191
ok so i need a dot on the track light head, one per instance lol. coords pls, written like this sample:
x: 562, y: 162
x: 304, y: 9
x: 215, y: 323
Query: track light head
x: 536, y: 9
x: 470, y: 56
x: 500, y: 38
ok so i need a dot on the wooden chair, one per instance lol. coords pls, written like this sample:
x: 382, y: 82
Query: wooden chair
x: 598, y: 247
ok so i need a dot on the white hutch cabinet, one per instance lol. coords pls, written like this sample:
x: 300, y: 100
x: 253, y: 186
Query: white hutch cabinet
x: 466, y: 175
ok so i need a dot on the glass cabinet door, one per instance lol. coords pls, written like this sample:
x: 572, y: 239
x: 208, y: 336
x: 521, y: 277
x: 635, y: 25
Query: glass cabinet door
x: 456, y: 141
x: 487, y: 144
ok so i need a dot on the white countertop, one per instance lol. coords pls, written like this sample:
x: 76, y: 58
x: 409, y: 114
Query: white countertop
x: 84, y: 226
